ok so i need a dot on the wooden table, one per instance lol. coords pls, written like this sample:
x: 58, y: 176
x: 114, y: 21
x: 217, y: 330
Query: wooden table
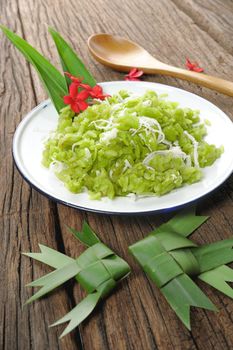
x: 136, y: 316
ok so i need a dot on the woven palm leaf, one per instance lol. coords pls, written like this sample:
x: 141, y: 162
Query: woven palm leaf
x: 98, y: 270
x: 171, y: 260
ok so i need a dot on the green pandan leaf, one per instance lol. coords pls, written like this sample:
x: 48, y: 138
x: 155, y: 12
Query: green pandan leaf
x: 184, y: 223
x: 53, y: 280
x: 98, y: 270
x: 87, y: 236
x: 218, y: 277
x: 53, y: 81
x: 169, y: 258
x: 70, y: 61
x: 79, y: 313
x: 182, y: 293
x: 215, y: 254
x: 50, y: 257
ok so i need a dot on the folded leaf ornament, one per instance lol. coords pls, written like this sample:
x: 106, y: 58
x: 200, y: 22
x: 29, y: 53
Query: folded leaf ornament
x: 171, y: 260
x: 98, y: 270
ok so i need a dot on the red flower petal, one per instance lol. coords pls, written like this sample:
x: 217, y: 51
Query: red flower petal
x: 138, y: 74
x: 75, y: 107
x: 68, y: 74
x: 134, y: 74
x: 194, y: 66
x: 96, y: 91
x: 104, y: 96
x: 85, y: 86
x: 67, y: 100
x: 82, y: 105
x: 83, y: 95
x: 73, y: 90
x: 73, y: 78
x: 132, y: 79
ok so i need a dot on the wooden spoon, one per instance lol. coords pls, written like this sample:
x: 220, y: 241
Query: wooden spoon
x: 122, y: 55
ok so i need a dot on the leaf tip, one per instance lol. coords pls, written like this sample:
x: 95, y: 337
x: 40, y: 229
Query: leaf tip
x: 51, y: 30
x: 27, y: 302
x: 24, y: 253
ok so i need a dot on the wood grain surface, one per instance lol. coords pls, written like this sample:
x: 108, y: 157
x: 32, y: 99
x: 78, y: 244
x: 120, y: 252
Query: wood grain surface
x: 136, y: 316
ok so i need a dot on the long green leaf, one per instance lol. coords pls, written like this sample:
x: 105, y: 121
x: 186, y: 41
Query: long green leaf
x: 218, y: 277
x: 79, y: 313
x: 53, y: 81
x: 87, y: 236
x: 70, y: 61
x: 184, y: 223
x: 215, y: 254
x: 50, y: 257
x: 181, y: 293
x: 53, y: 279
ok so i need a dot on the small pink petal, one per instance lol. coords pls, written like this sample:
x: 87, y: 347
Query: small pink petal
x: 138, y: 74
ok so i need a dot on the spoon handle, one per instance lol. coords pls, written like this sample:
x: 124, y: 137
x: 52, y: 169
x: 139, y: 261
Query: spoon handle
x: 217, y: 84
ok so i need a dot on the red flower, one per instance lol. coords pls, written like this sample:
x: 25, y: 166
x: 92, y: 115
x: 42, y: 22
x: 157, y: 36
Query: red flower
x: 134, y: 74
x: 193, y: 66
x: 76, y: 99
x: 97, y: 92
x: 73, y: 79
x: 78, y: 81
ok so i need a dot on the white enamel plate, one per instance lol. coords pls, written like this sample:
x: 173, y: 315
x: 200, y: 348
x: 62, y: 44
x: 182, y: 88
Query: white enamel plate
x: 30, y: 135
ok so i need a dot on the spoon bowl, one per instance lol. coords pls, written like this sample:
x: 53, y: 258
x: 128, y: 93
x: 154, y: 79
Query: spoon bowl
x: 122, y: 54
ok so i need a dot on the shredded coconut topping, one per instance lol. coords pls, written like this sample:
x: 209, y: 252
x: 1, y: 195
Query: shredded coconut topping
x: 122, y: 113
x: 147, y: 103
x: 119, y: 97
x: 56, y: 166
x: 116, y: 106
x: 176, y: 151
x: 149, y: 125
x: 74, y: 145
x: 109, y: 135
x: 109, y: 124
x: 87, y: 153
x: 131, y: 97
x: 127, y: 165
x: 195, y: 148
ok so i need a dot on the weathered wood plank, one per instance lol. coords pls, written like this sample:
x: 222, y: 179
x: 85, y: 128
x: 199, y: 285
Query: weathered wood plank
x: 136, y: 316
x: 26, y: 217
x: 215, y: 17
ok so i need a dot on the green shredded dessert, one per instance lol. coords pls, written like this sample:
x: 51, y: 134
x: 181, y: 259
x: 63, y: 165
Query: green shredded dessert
x: 127, y: 144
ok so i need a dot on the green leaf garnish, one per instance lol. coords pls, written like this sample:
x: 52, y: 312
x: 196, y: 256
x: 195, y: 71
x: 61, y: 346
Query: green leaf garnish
x: 98, y: 270
x: 79, y: 313
x: 70, y: 61
x: 53, y: 81
x: 87, y: 236
x: 50, y: 257
x: 53, y: 280
x: 218, y: 277
x: 170, y: 259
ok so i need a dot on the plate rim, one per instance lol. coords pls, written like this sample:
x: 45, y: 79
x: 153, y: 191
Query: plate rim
x: 46, y: 102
